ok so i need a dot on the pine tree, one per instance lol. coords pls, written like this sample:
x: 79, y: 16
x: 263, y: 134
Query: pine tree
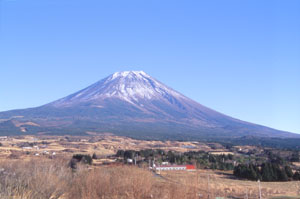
x: 252, y: 175
x: 266, y: 172
x: 296, y: 176
x: 288, y: 171
x: 282, y: 175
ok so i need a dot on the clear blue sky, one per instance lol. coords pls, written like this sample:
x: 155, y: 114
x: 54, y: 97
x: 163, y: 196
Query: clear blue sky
x: 241, y: 58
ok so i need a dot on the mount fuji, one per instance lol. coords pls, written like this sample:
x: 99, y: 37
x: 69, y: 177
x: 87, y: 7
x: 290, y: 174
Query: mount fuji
x: 130, y: 103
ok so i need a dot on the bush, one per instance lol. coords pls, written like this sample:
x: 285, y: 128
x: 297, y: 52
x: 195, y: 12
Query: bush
x: 87, y: 159
x: 34, y: 179
x: 94, y: 156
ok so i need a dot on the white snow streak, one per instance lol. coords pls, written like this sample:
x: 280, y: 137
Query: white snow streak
x: 131, y: 86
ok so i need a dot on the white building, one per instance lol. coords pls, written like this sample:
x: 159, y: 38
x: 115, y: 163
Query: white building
x: 174, y: 167
x: 3, y: 138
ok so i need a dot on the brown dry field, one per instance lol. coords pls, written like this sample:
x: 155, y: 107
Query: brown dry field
x: 101, y: 145
x: 223, y: 184
x: 195, y: 184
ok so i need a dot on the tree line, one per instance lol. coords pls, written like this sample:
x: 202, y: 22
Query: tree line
x: 199, y: 158
x: 268, y: 171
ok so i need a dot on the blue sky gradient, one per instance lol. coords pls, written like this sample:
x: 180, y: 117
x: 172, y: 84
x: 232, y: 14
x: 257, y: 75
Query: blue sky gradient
x: 241, y: 58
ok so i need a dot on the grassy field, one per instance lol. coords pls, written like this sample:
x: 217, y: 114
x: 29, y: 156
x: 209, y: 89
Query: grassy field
x: 44, y: 179
x: 24, y: 174
x: 41, y: 178
x: 223, y: 184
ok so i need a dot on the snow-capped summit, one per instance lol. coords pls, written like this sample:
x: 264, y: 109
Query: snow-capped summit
x: 130, y: 86
x: 131, y: 74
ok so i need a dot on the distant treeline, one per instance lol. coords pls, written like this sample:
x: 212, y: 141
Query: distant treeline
x: 80, y: 127
x: 266, y: 172
x: 279, y: 143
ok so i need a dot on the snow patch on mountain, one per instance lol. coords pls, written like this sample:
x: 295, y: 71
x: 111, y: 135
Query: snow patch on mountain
x: 130, y: 86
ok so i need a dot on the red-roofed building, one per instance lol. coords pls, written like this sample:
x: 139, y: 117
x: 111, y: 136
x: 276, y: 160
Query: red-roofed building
x: 190, y: 167
x: 175, y: 167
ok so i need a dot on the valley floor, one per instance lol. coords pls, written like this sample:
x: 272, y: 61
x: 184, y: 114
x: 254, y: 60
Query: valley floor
x: 39, y: 167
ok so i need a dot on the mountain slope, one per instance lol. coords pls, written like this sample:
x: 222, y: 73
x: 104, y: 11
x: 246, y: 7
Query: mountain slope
x: 135, y: 104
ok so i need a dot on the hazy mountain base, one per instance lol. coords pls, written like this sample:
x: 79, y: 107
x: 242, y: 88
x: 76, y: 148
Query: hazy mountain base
x: 152, y: 132
x: 116, y: 119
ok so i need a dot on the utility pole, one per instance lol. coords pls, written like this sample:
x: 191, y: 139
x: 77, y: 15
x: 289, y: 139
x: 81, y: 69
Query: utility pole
x: 159, y: 168
x: 259, y: 189
x: 208, y: 191
x: 197, y: 183
x: 134, y: 160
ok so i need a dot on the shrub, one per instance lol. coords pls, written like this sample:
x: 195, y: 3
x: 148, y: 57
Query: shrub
x: 34, y: 179
x: 87, y: 159
x: 44, y: 179
x: 94, y: 156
